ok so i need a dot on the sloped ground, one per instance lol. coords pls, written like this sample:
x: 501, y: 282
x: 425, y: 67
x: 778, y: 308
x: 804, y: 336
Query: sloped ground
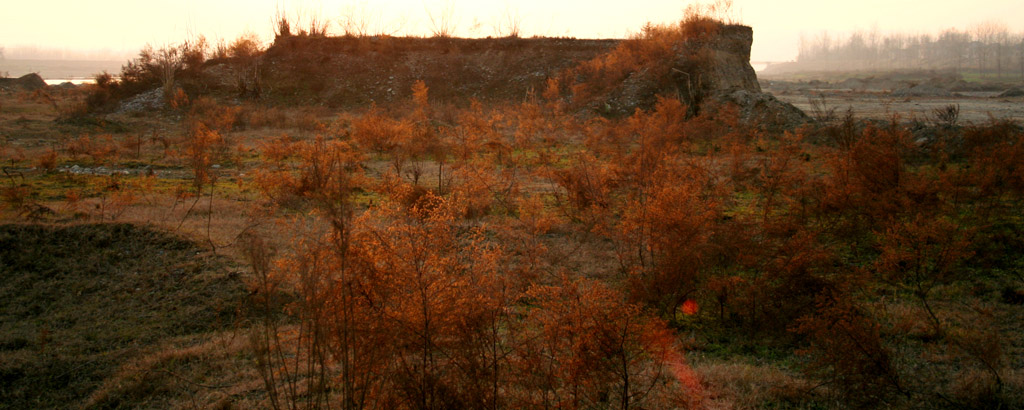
x: 348, y: 72
x: 78, y: 302
x: 27, y: 82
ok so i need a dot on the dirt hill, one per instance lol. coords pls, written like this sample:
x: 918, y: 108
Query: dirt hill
x: 346, y: 72
x: 613, y: 77
x: 27, y: 82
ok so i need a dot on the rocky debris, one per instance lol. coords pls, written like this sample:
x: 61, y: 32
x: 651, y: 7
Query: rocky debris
x: 760, y: 109
x: 79, y: 170
x: 27, y: 82
x: 146, y: 170
x: 854, y: 84
x: 147, y: 101
x: 949, y: 137
x: 1012, y: 92
x: 964, y: 86
x: 221, y: 75
x: 638, y: 90
x: 922, y: 90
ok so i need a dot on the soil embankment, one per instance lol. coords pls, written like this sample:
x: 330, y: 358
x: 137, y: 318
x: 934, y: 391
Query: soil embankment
x: 346, y: 72
x: 27, y: 82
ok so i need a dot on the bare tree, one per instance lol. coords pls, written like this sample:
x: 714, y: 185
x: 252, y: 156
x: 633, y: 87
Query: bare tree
x: 1001, y: 38
x: 509, y: 24
x: 984, y: 33
x: 282, y: 25
x: 443, y: 23
x: 1020, y: 54
x: 361, y: 19
x: 169, y: 59
x: 355, y: 20
x: 303, y: 21
x: 874, y: 43
x: 954, y: 43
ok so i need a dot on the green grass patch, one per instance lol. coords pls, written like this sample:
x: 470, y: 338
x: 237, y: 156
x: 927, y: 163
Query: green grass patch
x: 78, y: 301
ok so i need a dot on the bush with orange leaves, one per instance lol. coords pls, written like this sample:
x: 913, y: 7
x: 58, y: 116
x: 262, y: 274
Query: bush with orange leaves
x: 665, y: 236
x: 208, y: 140
x: 100, y: 147
x: 409, y: 306
x: 847, y: 352
x: 399, y: 307
x: 586, y: 188
x: 921, y: 253
x: 585, y: 347
x: 48, y: 161
x: 653, y: 55
x: 326, y: 173
x: 420, y: 141
x: 868, y: 183
x: 378, y: 132
x: 995, y: 154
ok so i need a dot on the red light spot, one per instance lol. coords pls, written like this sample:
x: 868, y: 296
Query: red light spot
x: 689, y: 307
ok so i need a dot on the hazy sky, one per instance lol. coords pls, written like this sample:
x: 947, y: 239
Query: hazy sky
x: 127, y: 25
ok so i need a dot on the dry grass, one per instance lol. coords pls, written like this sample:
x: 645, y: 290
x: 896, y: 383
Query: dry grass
x: 733, y: 385
x: 78, y: 300
x: 209, y: 371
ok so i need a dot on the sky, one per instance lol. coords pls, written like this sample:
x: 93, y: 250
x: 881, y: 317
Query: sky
x: 121, y: 27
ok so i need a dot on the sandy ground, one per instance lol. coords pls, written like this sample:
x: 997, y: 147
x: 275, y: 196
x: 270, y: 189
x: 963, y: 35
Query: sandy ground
x: 975, y: 107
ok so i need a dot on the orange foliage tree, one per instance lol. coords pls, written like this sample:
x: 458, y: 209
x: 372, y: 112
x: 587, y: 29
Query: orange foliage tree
x: 585, y: 347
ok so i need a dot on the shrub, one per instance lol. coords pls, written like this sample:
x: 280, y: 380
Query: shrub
x: 846, y: 350
x: 379, y: 132
x: 651, y: 55
x: 48, y: 161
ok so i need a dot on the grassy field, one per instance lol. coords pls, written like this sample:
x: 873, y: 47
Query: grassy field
x: 84, y: 304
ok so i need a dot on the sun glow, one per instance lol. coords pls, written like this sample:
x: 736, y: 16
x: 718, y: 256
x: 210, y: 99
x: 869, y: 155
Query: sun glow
x: 122, y: 27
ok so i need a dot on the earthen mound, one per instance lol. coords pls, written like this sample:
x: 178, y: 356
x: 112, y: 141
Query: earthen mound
x: 1012, y: 92
x: 761, y: 109
x: 350, y: 72
x: 27, y: 82
x: 922, y: 90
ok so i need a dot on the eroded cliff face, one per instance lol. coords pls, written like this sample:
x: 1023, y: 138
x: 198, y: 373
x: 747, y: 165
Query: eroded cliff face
x: 345, y: 72
x: 701, y: 70
x: 730, y: 53
x: 726, y: 78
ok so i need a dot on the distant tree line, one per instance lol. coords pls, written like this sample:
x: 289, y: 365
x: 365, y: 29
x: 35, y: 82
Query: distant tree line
x: 988, y: 48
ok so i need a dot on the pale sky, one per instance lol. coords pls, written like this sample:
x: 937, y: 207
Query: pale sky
x: 127, y: 25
